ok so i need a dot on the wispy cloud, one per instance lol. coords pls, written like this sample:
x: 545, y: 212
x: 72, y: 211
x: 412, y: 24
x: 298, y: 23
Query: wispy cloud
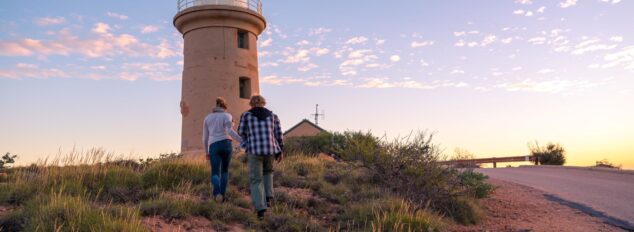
x: 357, y: 40
x: 567, y: 3
x: 418, y: 44
x: 117, y: 16
x: 319, y: 31
x: 149, y: 29
x: 50, y: 21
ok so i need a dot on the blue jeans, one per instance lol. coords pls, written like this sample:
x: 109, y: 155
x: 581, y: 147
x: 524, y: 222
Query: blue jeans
x: 220, y: 156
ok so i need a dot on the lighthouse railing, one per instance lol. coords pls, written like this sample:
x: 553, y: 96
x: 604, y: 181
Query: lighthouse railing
x: 254, y: 5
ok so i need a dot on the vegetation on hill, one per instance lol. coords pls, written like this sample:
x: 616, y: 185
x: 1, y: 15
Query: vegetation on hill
x: 379, y: 186
x: 551, y: 154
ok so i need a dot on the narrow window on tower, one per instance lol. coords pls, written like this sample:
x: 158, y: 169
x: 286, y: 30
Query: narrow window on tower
x: 245, y: 87
x: 243, y: 39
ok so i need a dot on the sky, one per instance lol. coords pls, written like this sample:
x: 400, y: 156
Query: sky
x: 484, y: 76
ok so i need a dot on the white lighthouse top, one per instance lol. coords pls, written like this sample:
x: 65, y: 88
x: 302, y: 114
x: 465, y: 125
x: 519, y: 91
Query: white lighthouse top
x: 253, y: 5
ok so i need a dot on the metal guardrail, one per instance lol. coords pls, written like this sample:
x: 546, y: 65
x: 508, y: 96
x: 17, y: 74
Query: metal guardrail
x: 253, y: 5
x: 493, y: 160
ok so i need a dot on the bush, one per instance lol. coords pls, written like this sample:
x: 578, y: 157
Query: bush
x: 115, y: 184
x: 392, y: 214
x: 475, y: 184
x: 65, y: 213
x: 6, y: 161
x: 464, y: 211
x: 551, y: 154
x: 172, y: 175
x: 168, y: 208
x: 287, y: 220
x: 603, y: 164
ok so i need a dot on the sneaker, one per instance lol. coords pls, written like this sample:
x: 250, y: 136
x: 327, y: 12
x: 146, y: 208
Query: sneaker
x: 219, y: 198
x: 261, y: 214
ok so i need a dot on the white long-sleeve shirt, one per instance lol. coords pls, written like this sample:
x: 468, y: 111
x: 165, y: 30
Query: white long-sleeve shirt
x: 217, y: 127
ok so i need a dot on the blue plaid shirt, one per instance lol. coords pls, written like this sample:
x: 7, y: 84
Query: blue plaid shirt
x: 260, y: 137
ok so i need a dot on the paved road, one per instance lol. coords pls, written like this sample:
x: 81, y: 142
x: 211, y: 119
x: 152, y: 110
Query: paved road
x: 607, y: 195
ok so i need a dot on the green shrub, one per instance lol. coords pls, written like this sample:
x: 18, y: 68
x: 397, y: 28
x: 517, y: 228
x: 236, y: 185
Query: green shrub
x: 465, y: 211
x: 64, y: 213
x: 6, y: 161
x: 14, y: 221
x: 475, y: 184
x: 551, y: 154
x: 17, y: 193
x: 168, y: 208
x: 391, y: 214
x: 119, y: 185
x: 287, y: 220
x: 172, y: 175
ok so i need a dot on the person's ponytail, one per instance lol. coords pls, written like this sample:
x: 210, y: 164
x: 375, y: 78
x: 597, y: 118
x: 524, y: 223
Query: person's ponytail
x: 220, y: 102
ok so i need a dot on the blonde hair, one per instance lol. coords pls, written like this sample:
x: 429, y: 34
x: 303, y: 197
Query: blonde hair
x: 257, y: 101
x: 220, y: 102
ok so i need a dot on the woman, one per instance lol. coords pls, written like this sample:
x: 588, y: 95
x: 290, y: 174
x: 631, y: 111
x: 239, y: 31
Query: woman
x: 260, y: 128
x: 216, y: 138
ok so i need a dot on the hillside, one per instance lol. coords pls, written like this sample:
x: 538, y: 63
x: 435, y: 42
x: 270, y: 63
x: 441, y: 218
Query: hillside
x: 312, y: 193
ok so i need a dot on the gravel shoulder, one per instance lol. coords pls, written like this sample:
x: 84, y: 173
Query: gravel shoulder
x: 514, y: 207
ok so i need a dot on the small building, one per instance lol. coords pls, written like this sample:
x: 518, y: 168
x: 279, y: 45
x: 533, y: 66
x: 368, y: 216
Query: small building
x: 304, y: 128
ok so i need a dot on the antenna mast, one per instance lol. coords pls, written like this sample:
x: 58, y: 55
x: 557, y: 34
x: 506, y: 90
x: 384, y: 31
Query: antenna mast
x: 317, y: 114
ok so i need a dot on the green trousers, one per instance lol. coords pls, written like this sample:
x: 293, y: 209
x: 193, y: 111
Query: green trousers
x: 260, y: 179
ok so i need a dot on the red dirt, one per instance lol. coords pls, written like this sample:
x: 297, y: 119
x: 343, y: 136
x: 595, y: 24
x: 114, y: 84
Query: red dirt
x: 514, y: 207
x: 192, y: 224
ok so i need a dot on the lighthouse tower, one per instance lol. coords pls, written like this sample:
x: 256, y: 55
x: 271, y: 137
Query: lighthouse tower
x: 220, y: 60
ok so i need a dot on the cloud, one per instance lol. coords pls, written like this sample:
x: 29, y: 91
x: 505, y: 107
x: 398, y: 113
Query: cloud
x: 518, y: 12
x: 276, y: 80
x: 320, y: 51
x: 395, y: 58
x: 303, y: 43
x: 545, y: 71
x: 552, y: 86
x: 297, y: 57
x: 24, y: 70
x: 307, y: 67
x: 624, y: 58
x: 416, y: 44
x: 266, y: 43
x: 149, y: 29
x: 117, y: 16
x: 524, y: 2
x: 319, y: 31
x: 617, y: 39
x: 457, y: 71
x: 567, y: 3
x: 357, y: 40
x: 101, y: 28
x: 541, y: 10
x: 611, y: 1
x: 50, y: 21
x: 537, y: 40
x: 355, y: 59
x: 105, y: 44
x: 489, y: 39
x: 380, y: 42
x: 14, y: 49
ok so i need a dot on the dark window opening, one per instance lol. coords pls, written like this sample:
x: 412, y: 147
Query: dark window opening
x: 245, y: 87
x: 243, y: 39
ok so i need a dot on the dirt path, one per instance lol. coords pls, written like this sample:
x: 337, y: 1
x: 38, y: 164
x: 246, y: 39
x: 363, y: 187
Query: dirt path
x: 514, y: 207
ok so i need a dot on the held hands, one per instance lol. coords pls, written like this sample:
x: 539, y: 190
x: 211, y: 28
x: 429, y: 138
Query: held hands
x: 279, y: 157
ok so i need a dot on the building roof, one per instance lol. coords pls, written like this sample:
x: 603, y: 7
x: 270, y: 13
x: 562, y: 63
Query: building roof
x: 304, y: 121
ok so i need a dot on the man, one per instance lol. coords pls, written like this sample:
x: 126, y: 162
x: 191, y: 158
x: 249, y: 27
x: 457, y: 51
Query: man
x: 262, y: 139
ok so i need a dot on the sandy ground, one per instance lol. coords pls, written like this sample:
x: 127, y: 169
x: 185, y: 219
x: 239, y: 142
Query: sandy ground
x: 608, y: 195
x: 514, y: 207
